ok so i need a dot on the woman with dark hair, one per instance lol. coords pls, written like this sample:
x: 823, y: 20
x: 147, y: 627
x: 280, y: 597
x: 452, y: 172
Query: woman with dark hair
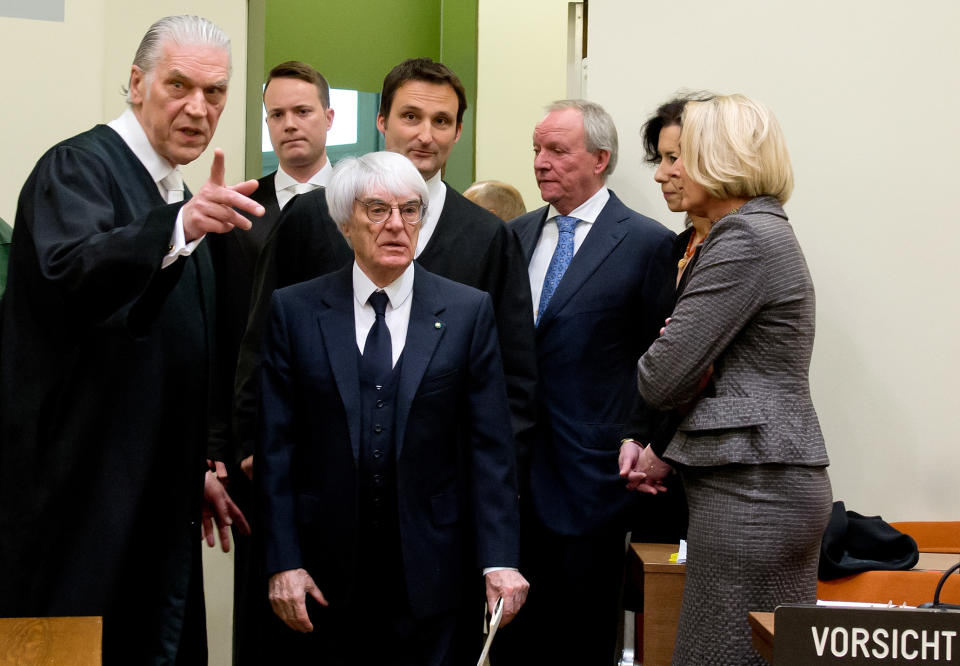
x: 661, y: 141
x: 664, y: 519
x: 735, y: 356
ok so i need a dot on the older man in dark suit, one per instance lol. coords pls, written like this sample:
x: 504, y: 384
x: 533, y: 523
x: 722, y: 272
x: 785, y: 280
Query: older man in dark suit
x: 106, y: 352
x: 596, y: 270
x: 385, y: 457
x: 421, y: 114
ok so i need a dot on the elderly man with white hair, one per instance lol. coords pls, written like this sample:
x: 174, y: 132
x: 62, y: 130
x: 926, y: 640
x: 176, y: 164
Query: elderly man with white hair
x: 105, y: 359
x: 385, y: 454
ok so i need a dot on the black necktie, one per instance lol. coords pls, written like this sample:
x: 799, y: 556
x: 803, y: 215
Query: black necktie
x: 377, y: 351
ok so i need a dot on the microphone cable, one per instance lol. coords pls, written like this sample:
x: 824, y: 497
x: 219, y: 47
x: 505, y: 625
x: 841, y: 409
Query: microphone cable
x: 936, y: 603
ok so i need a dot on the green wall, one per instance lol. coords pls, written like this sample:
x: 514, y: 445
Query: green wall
x: 354, y: 43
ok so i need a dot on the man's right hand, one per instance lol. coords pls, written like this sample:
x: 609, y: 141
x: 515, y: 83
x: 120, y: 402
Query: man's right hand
x: 211, y: 210
x: 288, y: 597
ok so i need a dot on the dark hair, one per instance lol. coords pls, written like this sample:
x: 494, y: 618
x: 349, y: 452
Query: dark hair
x: 294, y: 69
x: 668, y: 115
x: 421, y: 69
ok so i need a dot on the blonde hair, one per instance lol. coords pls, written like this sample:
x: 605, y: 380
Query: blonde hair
x: 733, y: 146
x: 501, y: 199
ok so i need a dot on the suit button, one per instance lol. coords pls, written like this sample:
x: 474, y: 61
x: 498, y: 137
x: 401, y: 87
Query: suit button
x: 377, y: 501
x: 377, y: 480
x: 377, y: 454
x: 379, y: 404
x: 376, y: 524
x: 378, y: 428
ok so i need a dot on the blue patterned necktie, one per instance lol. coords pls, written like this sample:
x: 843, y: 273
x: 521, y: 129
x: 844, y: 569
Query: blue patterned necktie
x: 559, y: 262
x: 377, y: 350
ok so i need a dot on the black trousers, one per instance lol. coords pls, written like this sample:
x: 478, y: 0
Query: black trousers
x: 373, y: 632
x: 572, y: 611
x: 256, y: 629
x: 378, y: 626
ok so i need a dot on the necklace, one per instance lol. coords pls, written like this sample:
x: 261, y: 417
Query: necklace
x: 689, y: 252
x: 712, y: 222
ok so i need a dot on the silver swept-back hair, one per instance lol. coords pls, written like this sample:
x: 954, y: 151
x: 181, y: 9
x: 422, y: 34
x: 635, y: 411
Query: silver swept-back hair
x: 183, y: 29
x: 599, y: 130
x: 353, y: 177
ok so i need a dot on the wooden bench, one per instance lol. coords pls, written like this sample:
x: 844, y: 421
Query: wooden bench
x: 64, y: 641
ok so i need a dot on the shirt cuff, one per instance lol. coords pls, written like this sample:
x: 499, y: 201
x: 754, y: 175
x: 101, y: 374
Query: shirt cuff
x: 487, y: 570
x: 179, y: 247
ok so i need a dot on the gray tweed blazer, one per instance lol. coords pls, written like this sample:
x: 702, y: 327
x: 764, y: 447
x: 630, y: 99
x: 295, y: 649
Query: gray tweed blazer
x: 748, y: 310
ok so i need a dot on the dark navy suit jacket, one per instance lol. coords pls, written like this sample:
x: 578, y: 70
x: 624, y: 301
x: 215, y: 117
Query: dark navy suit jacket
x: 605, y: 312
x: 455, y: 465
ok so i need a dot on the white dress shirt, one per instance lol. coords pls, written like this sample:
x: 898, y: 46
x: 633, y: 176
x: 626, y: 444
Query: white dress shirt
x: 587, y: 213
x: 397, y: 313
x: 437, y: 192
x: 130, y: 130
x: 287, y: 186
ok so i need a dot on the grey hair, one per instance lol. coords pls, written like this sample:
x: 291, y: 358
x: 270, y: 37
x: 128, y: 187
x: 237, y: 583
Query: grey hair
x: 182, y: 30
x: 599, y: 130
x: 353, y: 177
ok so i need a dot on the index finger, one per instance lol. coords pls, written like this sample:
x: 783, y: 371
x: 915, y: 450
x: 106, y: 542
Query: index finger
x: 217, y: 169
x: 234, y: 199
x: 239, y: 520
x: 224, y: 538
x: 206, y: 529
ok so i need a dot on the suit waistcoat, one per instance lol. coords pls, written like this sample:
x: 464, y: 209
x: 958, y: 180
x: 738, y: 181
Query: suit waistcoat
x: 379, y: 548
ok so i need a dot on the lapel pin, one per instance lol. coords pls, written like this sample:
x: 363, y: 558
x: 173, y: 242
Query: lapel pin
x: 437, y: 325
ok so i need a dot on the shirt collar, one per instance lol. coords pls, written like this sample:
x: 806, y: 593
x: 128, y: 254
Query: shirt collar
x: 435, y: 187
x: 321, y: 178
x: 130, y: 130
x: 397, y: 291
x: 437, y: 196
x: 589, y: 210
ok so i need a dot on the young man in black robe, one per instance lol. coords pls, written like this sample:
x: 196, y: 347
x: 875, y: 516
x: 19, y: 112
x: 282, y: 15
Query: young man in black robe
x: 105, y: 359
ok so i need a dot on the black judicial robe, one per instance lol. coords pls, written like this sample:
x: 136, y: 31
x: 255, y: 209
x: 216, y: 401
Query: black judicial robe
x: 104, y: 365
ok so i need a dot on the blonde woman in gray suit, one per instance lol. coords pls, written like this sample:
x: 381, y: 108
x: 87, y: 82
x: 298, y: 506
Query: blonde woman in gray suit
x: 735, y: 358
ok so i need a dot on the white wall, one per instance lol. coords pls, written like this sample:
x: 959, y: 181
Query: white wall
x: 49, y: 94
x: 868, y: 95
x: 61, y: 78
x: 521, y: 67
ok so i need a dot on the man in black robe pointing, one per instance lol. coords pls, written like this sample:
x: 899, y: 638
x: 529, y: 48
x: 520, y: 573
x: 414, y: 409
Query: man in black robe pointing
x: 105, y: 362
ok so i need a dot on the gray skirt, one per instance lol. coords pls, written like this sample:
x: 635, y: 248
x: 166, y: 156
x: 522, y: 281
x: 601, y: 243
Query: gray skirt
x: 753, y: 543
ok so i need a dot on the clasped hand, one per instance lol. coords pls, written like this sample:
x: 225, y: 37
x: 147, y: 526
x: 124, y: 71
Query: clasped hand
x: 642, y: 468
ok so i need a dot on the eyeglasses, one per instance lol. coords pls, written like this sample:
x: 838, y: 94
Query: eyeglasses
x: 379, y: 212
